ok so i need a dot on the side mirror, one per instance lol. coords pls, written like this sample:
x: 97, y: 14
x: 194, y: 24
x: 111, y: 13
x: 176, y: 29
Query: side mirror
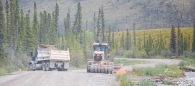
x: 31, y: 54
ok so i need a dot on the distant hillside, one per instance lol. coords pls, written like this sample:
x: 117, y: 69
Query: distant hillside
x: 121, y: 14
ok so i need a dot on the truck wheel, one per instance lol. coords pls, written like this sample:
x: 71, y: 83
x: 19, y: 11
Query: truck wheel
x: 47, y: 66
x: 92, y: 68
x: 105, y: 70
x: 95, y: 69
x: 110, y: 70
x: 43, y: 66
x: 98, y: 69
x: 88, y: 70
x: 102, y: 69
x: 30, y: 67
x: 59, y: 69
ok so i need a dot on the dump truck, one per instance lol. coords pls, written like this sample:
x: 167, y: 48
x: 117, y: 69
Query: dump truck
x: 48, y: 57
x: 101, y: 60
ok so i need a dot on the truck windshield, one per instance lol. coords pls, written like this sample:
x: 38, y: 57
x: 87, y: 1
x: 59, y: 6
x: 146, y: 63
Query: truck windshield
x: 99, y: 48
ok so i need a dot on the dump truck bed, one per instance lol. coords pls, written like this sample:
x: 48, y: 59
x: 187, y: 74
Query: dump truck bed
x: 50, y: 52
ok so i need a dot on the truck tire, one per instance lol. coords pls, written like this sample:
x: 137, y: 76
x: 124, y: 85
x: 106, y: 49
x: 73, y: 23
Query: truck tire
x: 43, y: 66
x: 98, y: 69
x: 88, y: 70
x: 92, y: 69
x: 102, y: 69
x: 110, y: 70
x: 30, y: 67
x: 95, y: 69
x: 105, y: 70
x: 59, y: 69
x: 47, y: 64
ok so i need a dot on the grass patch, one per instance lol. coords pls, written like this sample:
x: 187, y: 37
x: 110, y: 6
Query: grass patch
x: 124, y: 80
x: 145, y: 83
x: 159, y: 70
x: 128, y: 62
x: 166, y: 82
x: 187, y: 62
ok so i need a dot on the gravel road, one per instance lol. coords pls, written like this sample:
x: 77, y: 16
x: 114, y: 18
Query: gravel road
x: 56, y: 78
x: 72, y: 77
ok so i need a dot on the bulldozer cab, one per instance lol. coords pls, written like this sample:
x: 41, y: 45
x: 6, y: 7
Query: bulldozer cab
x: 100, y: 51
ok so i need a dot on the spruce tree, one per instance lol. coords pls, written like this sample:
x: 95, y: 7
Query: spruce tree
x: 149, y: 44
x: 30, y: 41
x: 7, y: 23
x: 113, y: 41
x: 172, y: 45
x: 94, y: 26
x: 67, y: 23
x: 179, y: 41
x: 12, y: 25
x: 139, y: 43
x: 54, y: 37
x: 35, y: 23
x: 144, y: 39
x: 109, y: 36
x: 1, y: 29
x: 16, y: 18
x: 122, y: 41
x: 80, y: 23
x: 85, y: 46
x: 130, y: 42
x: 16, y: 25
x: 56, y: 15
x: 68, y: 19
x: 103, y: 24
x: 41, y: 28
x: 22, y: 29
x: 98, y: 27
x: 193, y: 43
x: 134, y: 35
x: 127, y: 40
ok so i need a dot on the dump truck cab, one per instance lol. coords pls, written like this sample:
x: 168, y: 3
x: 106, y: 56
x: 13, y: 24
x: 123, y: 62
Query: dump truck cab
x: 100, y: 52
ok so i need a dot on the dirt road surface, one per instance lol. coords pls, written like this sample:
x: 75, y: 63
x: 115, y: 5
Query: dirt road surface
x: 57, y: 78
x: 71, y: 77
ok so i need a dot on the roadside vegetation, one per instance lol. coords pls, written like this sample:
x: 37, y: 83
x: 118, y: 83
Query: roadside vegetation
x: 159, y: 70
x: 126, y: 62
x: 187, y: 62
x: 124, y: 80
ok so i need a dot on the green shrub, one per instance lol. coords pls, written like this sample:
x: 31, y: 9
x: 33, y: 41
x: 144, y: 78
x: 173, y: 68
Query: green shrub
x: 189, y: 54
x: 11, y: 68
x: 128, y: 53
x: 124, y: 80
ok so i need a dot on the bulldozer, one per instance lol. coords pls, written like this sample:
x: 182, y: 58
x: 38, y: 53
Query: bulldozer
x: 101, y: 60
